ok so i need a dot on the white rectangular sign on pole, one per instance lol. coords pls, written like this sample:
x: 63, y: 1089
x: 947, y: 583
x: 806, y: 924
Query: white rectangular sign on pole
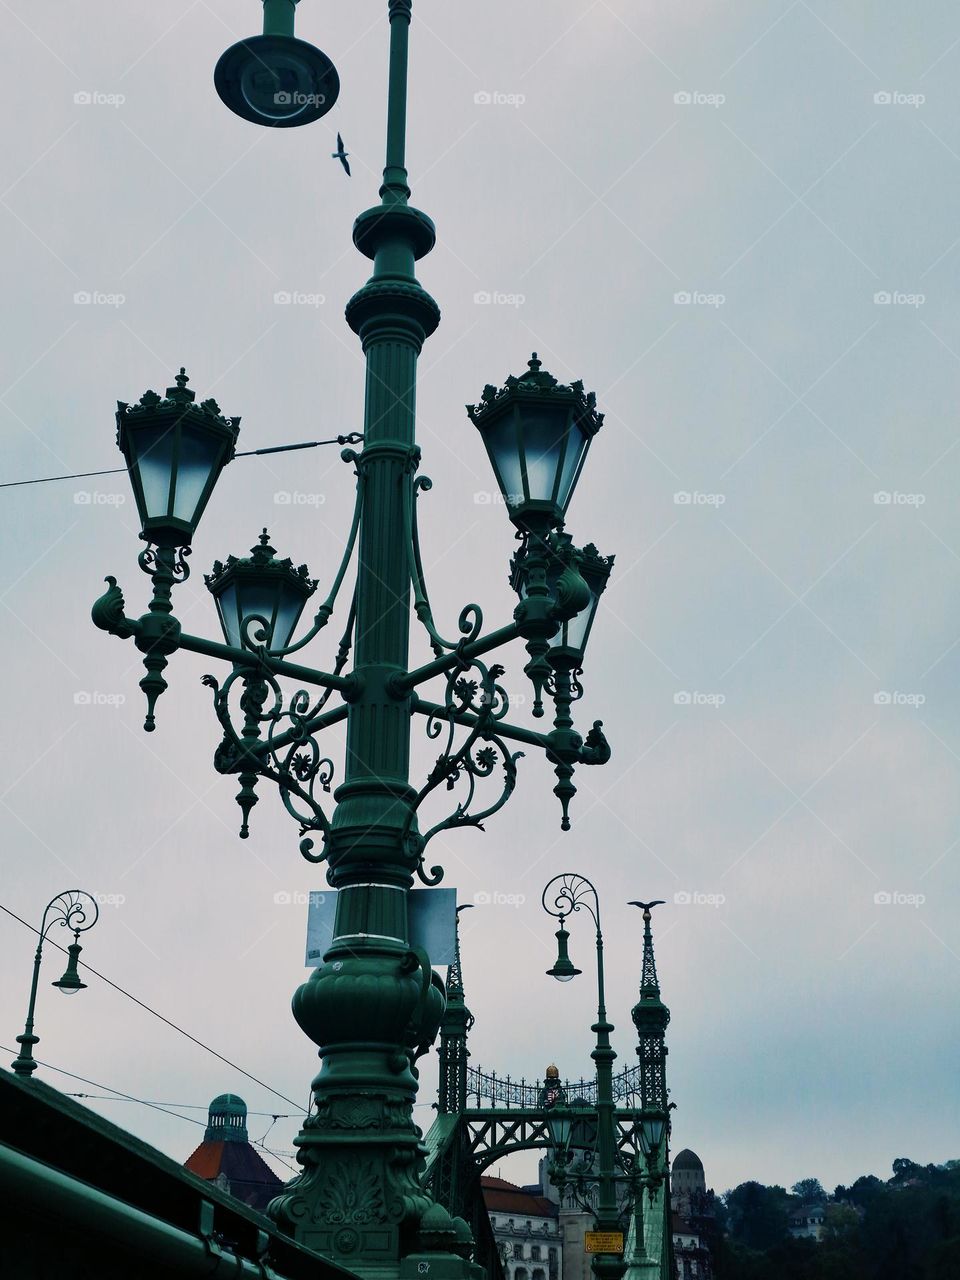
x: 431, y: 923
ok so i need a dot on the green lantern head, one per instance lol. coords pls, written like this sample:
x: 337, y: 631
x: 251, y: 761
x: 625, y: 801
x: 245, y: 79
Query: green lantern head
x: 570, y: 642
x: 175, y: 450
x: 650, y: 1131
x: 536, y: 433
x: 260, y: 586
x: 560, y: 1124
x: 575, y: 632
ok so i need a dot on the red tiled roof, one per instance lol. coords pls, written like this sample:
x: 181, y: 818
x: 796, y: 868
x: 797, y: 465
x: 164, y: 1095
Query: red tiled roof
x: 205, y: 1161
x: 501, y: 1196
x: 250, y: 1179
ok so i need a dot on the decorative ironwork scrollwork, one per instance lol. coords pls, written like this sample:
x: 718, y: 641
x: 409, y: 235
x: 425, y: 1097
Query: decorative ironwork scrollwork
x: 297, y: 766
x: 472, y: 689
x: 175, y: 564
x: 74, y: 909
x: 470, y: 622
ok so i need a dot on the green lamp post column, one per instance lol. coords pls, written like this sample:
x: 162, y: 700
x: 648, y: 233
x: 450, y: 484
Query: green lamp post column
x: 375, y: 1003
x: 563, y: 896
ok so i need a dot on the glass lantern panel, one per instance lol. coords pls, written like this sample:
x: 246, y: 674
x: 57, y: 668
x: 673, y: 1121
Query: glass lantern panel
x: 504, y: 449
x: 198, y: 453
x: 574, y: 632
x: 543, y: 437
x: 152, y: 449
x: 261, y: 600
x: 576, y: 446
x: 288, y: 611
x: 229, y: 617
x: 652, y: 1130
x: 560, y: 1124
x: 584, y: 1131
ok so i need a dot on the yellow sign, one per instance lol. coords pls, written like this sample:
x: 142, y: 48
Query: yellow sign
x: 603, y: 1241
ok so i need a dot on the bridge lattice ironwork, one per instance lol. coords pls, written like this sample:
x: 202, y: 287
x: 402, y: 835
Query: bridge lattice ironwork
x: 486, y: 1088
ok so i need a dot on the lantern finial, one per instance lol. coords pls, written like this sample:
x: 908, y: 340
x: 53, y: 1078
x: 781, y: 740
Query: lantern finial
x: 181, y: 391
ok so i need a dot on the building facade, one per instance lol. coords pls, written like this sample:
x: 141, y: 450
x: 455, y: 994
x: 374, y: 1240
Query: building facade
x: 525, y: 1226
x: 692, y: 1217
x: 807, y: 1221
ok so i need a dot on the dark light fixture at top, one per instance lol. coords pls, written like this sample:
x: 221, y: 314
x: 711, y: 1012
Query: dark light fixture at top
x: 275, y: 79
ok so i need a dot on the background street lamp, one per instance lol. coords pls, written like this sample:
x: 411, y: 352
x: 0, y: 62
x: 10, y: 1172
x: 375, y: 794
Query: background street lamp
x: 568, y: 1122
x: 563, y: 896
x: 73, y: 909
x: 374, y: 1005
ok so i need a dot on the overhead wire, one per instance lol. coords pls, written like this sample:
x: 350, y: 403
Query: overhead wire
x: 200, y: 1043
x: 127, y: 1097
x: 353, y: 437
x: 182, y: 1106
x: 118, y: 1095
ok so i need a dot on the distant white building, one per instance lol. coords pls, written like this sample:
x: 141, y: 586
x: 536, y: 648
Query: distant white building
x: 806, y: 1221
x: 526, y: 1228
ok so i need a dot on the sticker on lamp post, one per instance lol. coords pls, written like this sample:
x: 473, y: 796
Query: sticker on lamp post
x: 431, y: 924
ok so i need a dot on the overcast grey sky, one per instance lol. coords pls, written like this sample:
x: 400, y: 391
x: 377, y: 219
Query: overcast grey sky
x: 776, y: 658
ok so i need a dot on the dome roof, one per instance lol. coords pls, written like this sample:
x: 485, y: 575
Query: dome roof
x: 687, y: 1159
x: 228, y: 1104
x: 227, y: 1121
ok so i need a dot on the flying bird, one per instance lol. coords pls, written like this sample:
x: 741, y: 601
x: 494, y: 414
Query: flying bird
x: 341, y: 155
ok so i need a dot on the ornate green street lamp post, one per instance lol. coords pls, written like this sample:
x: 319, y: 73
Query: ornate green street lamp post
x: 563, y: 896
x: 374, y: 1005
x: 606, y: 1168
x: 73, y: 909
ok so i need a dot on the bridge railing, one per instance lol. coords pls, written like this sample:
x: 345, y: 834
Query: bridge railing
x: 486, y: 1088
